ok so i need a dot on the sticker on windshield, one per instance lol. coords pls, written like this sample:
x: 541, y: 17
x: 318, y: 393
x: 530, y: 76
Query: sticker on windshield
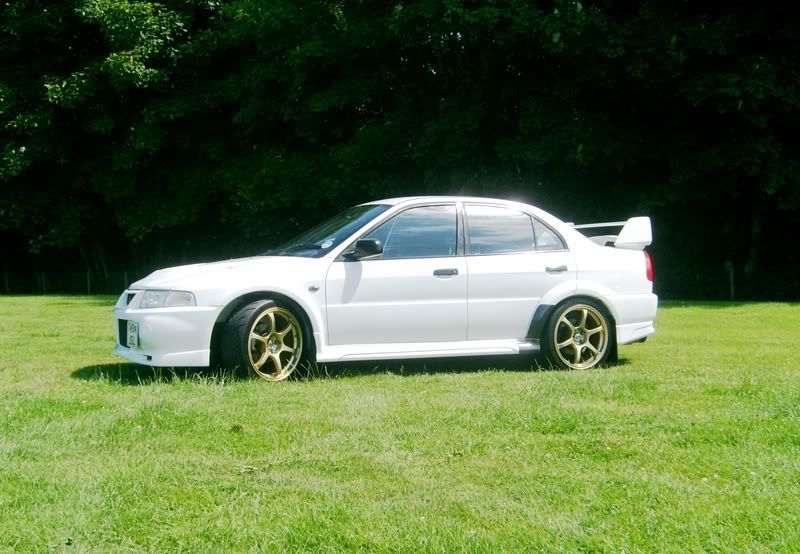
x: 326, y: 244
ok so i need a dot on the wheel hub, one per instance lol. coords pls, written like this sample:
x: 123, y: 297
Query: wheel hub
x: 579, y: 337
x: 273, y: 345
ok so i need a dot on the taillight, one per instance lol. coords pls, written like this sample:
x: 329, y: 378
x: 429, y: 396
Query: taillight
x: 648, y: 264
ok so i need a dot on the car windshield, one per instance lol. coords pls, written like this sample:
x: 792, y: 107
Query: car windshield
x: 321, y: 239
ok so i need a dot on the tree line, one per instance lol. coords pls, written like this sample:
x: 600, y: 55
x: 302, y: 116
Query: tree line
x: 140, y: 134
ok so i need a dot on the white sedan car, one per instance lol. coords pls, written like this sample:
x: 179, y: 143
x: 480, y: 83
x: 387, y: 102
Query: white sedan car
x: 402, y: 278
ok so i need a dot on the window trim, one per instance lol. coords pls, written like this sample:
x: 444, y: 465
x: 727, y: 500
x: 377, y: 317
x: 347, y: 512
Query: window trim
x: 533, y: 217
x: 459, y: 235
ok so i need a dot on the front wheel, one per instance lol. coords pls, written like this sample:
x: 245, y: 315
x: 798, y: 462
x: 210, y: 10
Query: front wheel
x: 264, y: 338
x: 578, y: 336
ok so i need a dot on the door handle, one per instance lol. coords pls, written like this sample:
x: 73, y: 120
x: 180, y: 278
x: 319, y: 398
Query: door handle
x: 449, y: 271
x: 557, y: 269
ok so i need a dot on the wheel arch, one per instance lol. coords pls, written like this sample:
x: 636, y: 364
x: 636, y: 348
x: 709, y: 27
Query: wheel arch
x: 242, y: 300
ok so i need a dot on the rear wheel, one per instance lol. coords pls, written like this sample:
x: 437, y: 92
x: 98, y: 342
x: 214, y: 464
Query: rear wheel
x: 265, y: 339
x: 578, y: 335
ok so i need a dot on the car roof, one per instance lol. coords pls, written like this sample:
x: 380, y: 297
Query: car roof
x: 418, y: 199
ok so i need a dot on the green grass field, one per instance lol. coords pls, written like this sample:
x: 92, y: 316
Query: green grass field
x: 691, y: 443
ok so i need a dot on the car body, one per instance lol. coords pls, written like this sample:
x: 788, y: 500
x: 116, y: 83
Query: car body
x: 454, y: 276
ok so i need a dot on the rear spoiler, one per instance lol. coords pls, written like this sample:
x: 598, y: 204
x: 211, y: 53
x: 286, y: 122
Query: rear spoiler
x: 636, y: 233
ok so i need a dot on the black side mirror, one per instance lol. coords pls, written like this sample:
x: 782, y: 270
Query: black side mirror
x: 365, y: 248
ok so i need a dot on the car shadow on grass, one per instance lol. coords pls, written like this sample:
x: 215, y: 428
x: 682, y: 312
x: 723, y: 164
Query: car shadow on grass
x: 135, y: 374
x: 138, y: 375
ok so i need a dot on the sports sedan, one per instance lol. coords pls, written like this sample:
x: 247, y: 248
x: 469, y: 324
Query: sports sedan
x: 402, y: 278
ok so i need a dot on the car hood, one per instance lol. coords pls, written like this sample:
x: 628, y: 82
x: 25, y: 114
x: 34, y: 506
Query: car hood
x: 191, y: 277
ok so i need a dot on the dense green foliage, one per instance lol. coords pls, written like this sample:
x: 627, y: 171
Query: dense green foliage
x: 689, y: 445
x: 135, y: 134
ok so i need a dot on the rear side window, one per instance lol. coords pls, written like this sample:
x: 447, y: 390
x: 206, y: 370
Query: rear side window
x: 494, y: 230
x: 546, y: 238
x: 424, y: 232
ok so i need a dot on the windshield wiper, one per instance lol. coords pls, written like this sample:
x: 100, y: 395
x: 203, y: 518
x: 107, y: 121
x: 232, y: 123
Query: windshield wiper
x: 297, y: 247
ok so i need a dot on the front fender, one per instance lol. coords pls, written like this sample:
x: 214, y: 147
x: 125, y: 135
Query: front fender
x: 310, y: 302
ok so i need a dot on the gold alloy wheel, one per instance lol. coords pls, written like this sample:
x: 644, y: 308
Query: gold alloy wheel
x: 275, y: 344
x: 581, y: 336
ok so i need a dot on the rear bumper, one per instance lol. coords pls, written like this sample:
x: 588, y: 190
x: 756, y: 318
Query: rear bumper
x: 634, y: 332
x: 635, y: 315
x: 168, y: 337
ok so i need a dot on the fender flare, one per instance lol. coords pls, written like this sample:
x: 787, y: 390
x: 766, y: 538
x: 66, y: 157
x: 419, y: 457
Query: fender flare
x: 312, y: 317
x: 562, y: 292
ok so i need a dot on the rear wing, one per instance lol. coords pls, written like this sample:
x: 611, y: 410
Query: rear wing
x: 636, y: 233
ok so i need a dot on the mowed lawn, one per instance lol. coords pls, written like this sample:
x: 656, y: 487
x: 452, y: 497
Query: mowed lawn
x: 691, y: 443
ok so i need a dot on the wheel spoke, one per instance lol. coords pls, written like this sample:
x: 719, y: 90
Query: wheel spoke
x: 281, y: 334
x: 592, y: 347
x: 276, y: 359
x: 262, y: 359
x: 567, y: 342
x: 271, y: 317
x: 256, y: 336
x: 590, y: 332
x: 584, y: 315
x: 285, y: 348
x: 568, y: 323
x: 578, y: 350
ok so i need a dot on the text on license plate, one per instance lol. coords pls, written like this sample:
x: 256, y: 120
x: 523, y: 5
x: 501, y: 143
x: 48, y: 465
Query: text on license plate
x: 133, y: 334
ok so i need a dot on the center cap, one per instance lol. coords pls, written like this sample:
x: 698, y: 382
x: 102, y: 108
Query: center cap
x: 578, y: 337
x: 273, y: 344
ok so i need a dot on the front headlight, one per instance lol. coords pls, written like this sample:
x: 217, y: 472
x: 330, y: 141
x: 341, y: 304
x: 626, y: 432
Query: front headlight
x: 166, y: 299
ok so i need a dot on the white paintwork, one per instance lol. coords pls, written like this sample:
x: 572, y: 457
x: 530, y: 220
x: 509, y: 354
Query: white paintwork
x: 396, y: 301
x: 382, y: 309
x: 504, y: 290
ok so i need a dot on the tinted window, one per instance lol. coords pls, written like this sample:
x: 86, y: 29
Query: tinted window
x: 427, y: 231
x: 546, y: 238
x: 495, y: 230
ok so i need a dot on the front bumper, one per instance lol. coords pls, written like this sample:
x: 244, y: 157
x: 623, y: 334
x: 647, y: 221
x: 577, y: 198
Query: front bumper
x: 168, y: 337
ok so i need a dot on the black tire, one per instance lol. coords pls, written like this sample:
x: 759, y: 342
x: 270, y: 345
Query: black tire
x: 583, y: 329
x: 281, y: 354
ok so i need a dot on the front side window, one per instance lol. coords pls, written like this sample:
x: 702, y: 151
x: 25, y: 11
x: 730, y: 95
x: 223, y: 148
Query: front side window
x: 494, y: 230
x: 424, y: 232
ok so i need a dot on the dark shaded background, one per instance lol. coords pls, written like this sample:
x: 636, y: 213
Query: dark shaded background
x: 137, y: 135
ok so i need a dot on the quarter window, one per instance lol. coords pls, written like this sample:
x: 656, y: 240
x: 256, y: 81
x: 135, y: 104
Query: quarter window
x: 494, y: 230
x: 427, y: 231
x: 546, y: 238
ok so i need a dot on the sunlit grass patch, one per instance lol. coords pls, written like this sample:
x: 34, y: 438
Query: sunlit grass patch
x: 690, y: 443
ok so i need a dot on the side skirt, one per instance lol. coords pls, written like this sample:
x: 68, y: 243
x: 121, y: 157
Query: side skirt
x: 398, y: 351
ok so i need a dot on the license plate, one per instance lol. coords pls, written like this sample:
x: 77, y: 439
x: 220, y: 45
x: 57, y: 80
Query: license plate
x: 133, y: 334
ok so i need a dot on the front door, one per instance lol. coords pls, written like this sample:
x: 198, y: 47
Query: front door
x: 415, y: 291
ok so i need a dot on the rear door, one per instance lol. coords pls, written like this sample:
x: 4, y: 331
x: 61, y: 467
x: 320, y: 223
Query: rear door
x: 416, y: 291
x: 513, y: 259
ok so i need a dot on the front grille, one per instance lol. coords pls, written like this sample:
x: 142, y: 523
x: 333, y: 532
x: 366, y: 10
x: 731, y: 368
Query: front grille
x: 123, y: 332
